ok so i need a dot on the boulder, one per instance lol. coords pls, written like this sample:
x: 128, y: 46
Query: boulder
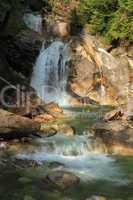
x: 15, y: 126
x: 117, y: 135
x: 35, y: 5
x: 113, y: 115
x: 61, y: 29
x: 43, y: 118
x: 46, y: 112
x: 62, y: 179
x: 21, y: 51
x: 124, y: 112
x: 96, y: 198
x: 64, y: 129
x: 82, y: 76
x: 97, y: 74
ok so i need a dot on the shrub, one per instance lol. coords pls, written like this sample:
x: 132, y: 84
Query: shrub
x: 113, y: 19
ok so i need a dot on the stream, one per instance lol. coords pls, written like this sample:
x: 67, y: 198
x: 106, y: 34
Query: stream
x: 102, y: 175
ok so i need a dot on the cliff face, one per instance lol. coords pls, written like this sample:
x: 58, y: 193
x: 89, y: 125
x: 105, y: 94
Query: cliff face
x: 19, y: 46
x: 104, y: 77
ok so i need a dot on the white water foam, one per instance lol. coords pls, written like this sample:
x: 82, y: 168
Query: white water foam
x: 79, y: 155
x: 50, y: 73
x: 33, y: 22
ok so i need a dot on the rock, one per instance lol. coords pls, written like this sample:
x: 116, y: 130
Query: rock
x: 25, y: 163
x: 124, y: 112
x: 83, y: 76
x: 21, y: 51
x: 43, y: 118
x: 113, y: 115
x: 48, y: 131
x: 61, y: 29
x: 15, y: 126
x: 117, y: 135
x: 27, y: 197
x: 58, y: 129
x: 35, y: 5
x: 66, y: 130
x: 24, y: 180
x: 46, y: 112
x: 97, y: 74
x: 53, y: 165
x: 62, y: 179
x: 96, y: 198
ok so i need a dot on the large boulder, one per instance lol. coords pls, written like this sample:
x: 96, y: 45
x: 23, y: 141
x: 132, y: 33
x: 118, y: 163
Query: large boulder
x: 21, y: 51
x: 46, y: 112
x: 62, y: 179
x: 124, y: 112
x: 61, y: 29
x: 117, y: 135
x: 15, y: 126
x: 82, y: 76
x: 99, y: 75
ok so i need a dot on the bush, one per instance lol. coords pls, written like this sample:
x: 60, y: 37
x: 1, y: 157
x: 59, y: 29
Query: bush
x: 113, y: 19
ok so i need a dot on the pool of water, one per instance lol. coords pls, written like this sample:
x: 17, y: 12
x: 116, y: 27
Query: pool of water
x: 102, y: 176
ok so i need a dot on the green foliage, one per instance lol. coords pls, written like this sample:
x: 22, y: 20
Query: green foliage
x: 113, y: 19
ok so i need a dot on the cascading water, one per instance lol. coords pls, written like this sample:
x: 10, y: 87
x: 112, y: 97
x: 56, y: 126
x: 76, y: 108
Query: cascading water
x: 33, y: 22
x: 83, y: 156
x: 50, y: 73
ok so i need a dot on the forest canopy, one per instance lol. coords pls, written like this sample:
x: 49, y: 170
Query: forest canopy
x: 113, y: 19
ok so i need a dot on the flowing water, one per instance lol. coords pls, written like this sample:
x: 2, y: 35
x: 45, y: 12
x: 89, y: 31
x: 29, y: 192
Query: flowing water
x: 51, y: 73
x: 100, y: 173
x: 33, y: 22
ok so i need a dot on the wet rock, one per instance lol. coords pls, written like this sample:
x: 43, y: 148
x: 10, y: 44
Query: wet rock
x: 35, y: 5
x: 24, y: 180
x: 61, y: 29
x: 53, y: 165
x: 44, y: 118
x: 53, y: 108
x: 107, y: 79
x: 58, y: 129
x: 15, y: 126
x: 47, y: 112
x: 27, y: 197
x: 113, y: 115
x: 48, y: 131
x: 62, y: 179
x: 66, y: 130
x: 21, y: 50
x: 25, y: 163
x: 124, y: 112
x: 83, y: 76
x: 96, y: 198
x: 117, y: 135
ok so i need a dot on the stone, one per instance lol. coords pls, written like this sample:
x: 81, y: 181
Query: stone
x: 22, y: 49
x: 14, y: 126
x: 35, y: 5
x: 96, y: 198
x: 113, y: 115
x: 65, y: 130
x: 117, y: 135
x: 97, y: 74
x: 61, y: 29
x: 82, y: 79
x: 62, y: 179
x: 43, y: 118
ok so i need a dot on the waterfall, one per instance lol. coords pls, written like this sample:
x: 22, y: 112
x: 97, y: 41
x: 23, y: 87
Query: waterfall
x: 33, y: 22
x: 50, y: 73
